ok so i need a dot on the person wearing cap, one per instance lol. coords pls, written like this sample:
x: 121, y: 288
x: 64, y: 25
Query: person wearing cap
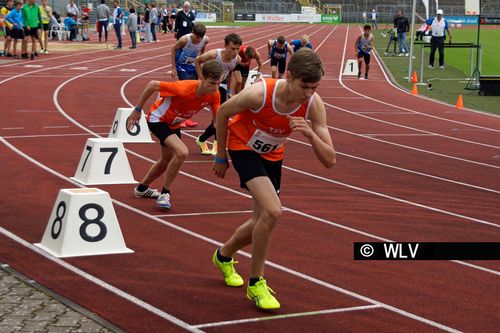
x: 374, y: 19
x: 438, y: 26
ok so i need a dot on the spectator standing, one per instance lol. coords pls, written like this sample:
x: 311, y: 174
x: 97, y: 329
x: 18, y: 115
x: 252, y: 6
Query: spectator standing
x: 147, y: 23
x: 173, y: 17
x: 132, y: 27
x: 117, y: 23
x: 403, y: 26
x: 85, y: 21
x: 32, y: 23
x: 103, y: 14
x: 9, y: 6
x: 46, y: 13
x: 153, y: 19
x: 184, y: 21
x: 15, y: 18
x: 364, y: 16
x: 374, y: 19
x: 439, y: 26
x: 73, y: 9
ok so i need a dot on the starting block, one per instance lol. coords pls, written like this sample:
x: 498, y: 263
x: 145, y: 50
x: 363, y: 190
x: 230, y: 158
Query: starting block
x: 119, y: 130
x: 252, y: 77
x: 351, y: 67
x: 104, y: 161
x: 83, y: 223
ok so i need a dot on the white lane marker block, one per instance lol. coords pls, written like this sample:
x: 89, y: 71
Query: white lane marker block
x: 351, y: 67
x: 83, y: 223
x: 252, y: 77
x: 104, y: 161
x: 119, y: 130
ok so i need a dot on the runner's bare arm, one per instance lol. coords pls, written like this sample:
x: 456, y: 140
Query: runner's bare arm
x: 133, y: 118
x: 249, y: 98
x: 212, y: 54
x: 318, y: 134
x: 179, y: 45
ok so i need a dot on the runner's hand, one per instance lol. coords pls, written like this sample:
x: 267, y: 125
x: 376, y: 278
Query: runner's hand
x: 300, y: 124
x: 133, y: 119
x: 220, y: 168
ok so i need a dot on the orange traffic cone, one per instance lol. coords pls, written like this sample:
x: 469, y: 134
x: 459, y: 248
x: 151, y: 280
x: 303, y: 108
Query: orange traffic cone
x: 414, y: 78
x: 414, y: 91
x: 460, y: 102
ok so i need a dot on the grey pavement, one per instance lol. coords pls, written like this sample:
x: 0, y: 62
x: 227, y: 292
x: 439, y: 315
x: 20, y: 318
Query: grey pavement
x: 26, y: 306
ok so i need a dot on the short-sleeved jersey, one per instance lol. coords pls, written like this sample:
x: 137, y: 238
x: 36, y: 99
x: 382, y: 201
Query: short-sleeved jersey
x: 4, y: 11
x: 264, y: 130
x: 178, y: 102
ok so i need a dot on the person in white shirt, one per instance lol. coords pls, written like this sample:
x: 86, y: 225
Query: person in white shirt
x: 374, y: 19
x: 439, y: 25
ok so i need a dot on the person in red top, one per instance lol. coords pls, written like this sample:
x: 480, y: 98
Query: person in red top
x: 263, y: 116
x: 178, y: 101
x: 246, y: 53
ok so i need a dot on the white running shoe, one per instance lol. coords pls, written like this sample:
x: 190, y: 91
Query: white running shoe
x: 164, y: 201
x: 148, y: 193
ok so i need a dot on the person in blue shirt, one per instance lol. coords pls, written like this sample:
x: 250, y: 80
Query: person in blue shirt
x: 117, y: 23
x: 15, y: 17
x: 438, y: 26
x: 297, y: 44
x: 70, y: 24
x: 277, y: 51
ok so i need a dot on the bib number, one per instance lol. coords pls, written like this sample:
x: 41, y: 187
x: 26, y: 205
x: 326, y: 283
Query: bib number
x: 263, y: 143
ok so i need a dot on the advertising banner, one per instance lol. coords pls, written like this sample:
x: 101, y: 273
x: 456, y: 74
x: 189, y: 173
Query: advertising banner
x: 330, y: 18
x: 244, y: 17
x: 206, y: 17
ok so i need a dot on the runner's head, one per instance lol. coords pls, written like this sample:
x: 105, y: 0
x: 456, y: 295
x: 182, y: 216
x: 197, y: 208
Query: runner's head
x: 280, y: 41
x: 304, y: 72
x: 232, y: 43
x: 304, y: 39
x: 211, y: 76
x: 199, y: 31
x: 250, y: 52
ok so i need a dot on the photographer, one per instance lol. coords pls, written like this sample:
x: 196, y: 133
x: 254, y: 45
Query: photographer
x: 401, y: 23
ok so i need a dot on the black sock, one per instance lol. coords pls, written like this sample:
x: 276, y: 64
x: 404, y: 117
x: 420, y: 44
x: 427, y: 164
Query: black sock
x: 142, y: 187
x: 164, y: 190
x: 221, y: 258
x: 253, y: 281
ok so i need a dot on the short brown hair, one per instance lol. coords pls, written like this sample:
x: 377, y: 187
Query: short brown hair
x: 281, y: 40
x: 250, y: 52
x: 235, y: 38
x: 199, y: 29
x: 212, y: 69
x: 306, y: 65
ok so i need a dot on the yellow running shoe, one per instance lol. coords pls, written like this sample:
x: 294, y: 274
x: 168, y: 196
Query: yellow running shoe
x: 232, y: 278
x: 203, y: 147
x: 214, y: 148
x: 260, y: 294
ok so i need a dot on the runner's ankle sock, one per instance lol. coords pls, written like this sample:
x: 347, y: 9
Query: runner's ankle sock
x: 221, y: 258
x: 253, y: 281
x: 142, y: 187
x: 164, y: 190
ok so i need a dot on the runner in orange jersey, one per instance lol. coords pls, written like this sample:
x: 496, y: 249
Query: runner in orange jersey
x: 263, y: 116
x: 179, y: 101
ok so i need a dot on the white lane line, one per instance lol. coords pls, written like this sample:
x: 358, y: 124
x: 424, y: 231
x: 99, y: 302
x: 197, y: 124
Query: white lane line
x: 101, y: 283
x: 216, y: 243
x: 48, y: 135
x: 289, y: 315
x: 12, y: 128
x: 99, y: 125
x: 53, y: 127
x: 414, y: 148
x: 34, y: 110
x: 419, y: 96
x: 386, y: 112
x: 206, y: 213
x: 408, y: 170
x: 393, y: 134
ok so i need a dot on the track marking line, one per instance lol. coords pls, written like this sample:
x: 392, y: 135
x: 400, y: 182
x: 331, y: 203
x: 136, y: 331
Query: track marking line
x: 49, y: 135
x: 289, y: 315
x: 53, y: 127
x: 204, y: 238
x: 12, y: 128
x: 206, y: 213
x: 401, y: 134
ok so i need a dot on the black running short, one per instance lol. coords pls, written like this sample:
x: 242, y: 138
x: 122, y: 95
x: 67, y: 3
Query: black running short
x: 250, y: 165
x: 162, y: 131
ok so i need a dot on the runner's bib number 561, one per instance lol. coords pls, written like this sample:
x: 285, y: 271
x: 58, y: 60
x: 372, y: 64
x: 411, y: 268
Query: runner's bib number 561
x: 263, y: 143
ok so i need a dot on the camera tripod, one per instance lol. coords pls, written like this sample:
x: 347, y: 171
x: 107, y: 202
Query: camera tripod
x: 393, y: 39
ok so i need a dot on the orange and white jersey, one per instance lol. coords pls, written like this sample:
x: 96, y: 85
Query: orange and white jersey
x: 178, y: 101
x: 264, y: 130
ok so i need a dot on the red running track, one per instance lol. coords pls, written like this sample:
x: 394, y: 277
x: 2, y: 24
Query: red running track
x: 409, y: 169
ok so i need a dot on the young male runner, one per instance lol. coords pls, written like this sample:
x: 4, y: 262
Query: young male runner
x: 263, y: 116
x: 179, y: 100
x: 364, y: 45
x: 228, y: 57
